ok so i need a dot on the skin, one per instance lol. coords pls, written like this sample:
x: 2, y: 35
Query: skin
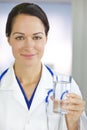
x: 28, y: 40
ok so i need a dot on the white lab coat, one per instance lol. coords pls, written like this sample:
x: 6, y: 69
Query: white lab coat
x: 14, y: 114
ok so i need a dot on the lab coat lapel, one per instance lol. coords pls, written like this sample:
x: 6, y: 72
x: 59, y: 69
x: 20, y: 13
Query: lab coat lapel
x: 10, y: 85
x: 45, y: 84
x: 43, y: 87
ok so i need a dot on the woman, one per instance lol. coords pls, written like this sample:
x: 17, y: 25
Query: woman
x: 24, y: 85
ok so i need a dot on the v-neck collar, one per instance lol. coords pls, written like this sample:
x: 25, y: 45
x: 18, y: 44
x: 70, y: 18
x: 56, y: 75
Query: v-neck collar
x: 28, y: 102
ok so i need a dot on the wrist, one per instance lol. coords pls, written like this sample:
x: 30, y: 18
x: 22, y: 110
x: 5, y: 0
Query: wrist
x: 72, y: 125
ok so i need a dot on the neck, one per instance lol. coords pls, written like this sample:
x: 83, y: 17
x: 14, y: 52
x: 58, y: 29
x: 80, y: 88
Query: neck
x: 28, y: 75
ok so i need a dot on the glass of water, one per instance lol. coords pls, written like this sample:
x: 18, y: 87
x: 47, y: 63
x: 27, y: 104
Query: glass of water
x: 61, y: 87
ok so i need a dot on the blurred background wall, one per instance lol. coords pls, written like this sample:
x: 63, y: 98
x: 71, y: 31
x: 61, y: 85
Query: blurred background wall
x: 79, y: 60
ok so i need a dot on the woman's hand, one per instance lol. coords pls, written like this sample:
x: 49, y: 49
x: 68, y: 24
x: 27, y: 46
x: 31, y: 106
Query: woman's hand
x: 75, y: 106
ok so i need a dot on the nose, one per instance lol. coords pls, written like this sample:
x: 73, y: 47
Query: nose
x: 29, y: 43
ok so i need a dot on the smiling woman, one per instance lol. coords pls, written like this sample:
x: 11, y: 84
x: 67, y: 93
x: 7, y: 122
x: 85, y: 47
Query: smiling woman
x: 59, y: 38
x: 25, y: 85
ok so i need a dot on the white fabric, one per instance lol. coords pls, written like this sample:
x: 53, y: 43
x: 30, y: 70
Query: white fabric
x: 14, y: 114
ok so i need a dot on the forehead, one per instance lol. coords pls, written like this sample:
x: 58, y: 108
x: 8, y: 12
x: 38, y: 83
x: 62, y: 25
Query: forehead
x: 24, y: 19
x: 24, y: 22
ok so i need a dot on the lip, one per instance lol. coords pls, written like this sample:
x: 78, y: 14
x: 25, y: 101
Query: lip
x: 28, y: 55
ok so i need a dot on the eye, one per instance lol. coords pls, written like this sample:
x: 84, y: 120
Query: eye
x: 19, y: 38
x: 37, y: 38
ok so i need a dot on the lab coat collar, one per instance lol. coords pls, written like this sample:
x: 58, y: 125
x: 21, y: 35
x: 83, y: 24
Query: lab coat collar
x: 44, y: 86
x: 10, y: 84
x: 8, y: 80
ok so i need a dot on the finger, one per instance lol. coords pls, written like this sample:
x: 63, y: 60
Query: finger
x: 73, y: 112
x: 73, y: 95
x: 75, y: 101
x: 74, y: 107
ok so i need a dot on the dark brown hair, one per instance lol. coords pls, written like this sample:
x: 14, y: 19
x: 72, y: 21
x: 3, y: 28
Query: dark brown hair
x: 29, y: 9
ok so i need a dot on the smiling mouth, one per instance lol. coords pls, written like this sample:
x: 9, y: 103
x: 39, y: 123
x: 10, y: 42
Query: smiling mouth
x: 28, y: 55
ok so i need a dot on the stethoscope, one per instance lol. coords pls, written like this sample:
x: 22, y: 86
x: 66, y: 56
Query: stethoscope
x: 55, y: 81
x: 51, y: 92
x: 4, y: 72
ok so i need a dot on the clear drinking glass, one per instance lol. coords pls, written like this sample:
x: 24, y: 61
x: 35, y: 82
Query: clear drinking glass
x: 54, y: 108
x: 61, y: 86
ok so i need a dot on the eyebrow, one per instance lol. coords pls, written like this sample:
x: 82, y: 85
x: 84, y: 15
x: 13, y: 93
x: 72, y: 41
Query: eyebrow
x: 18, y: 33
x: 38, y: 33
x: 24, y: 34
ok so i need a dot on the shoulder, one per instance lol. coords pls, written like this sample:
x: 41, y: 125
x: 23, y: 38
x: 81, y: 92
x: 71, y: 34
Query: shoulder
x: 3, y: 73
x: 7, y: 78
x: 47, y: 73
x: 6, y: 74
x: 49, y: 69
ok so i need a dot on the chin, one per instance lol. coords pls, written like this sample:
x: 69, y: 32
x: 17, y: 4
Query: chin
x: 30, y: 64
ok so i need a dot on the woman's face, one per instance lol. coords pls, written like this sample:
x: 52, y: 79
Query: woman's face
x: 28, y: 40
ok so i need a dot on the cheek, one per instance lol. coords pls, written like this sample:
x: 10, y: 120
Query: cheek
x: 41, y: 48
x: 16, y: 49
